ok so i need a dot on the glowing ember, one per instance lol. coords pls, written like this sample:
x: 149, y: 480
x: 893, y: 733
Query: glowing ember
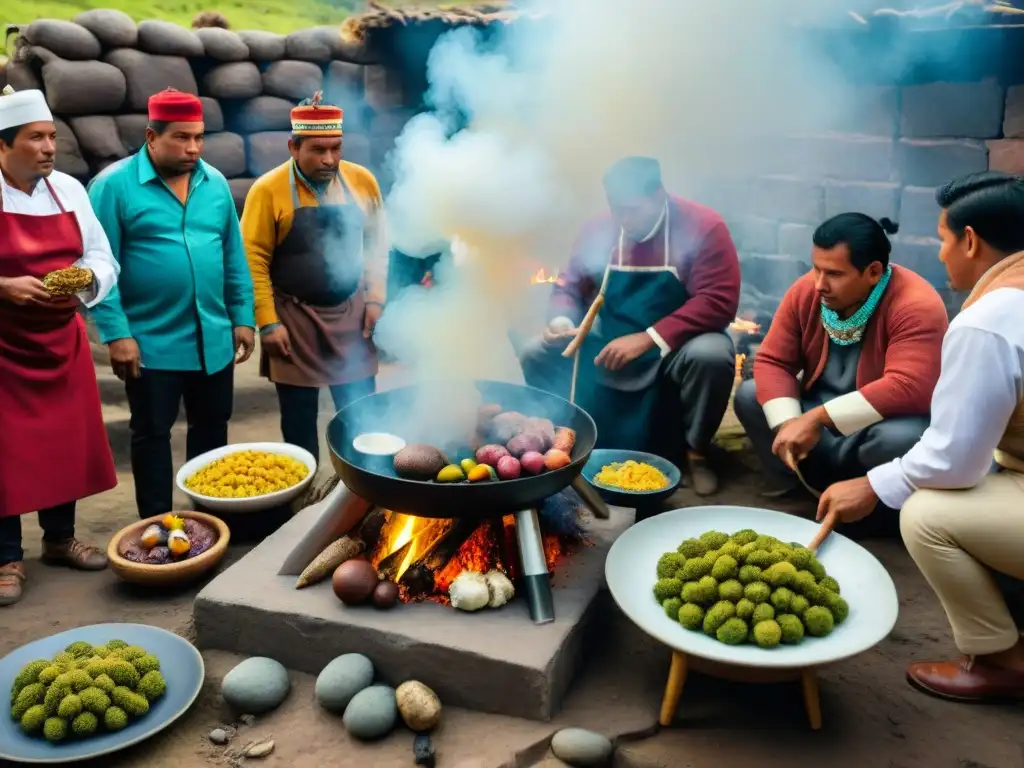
x: 407, y: 540
x: 541, y: 277
x: 478, y: 553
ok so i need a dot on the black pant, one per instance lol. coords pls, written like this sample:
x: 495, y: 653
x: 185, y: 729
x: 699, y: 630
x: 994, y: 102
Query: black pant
x: 58, y: 524
x: 154, y: 399
x: 300, y: 406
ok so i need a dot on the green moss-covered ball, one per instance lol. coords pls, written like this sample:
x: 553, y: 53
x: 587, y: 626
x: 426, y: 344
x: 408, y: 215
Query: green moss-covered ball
x: 732, y: 632
x: 781, y: 598
x: 730, y: 590
x: 818, y: 620
x: 767, y: 634
x: 33, y: 718
x: 669, y: 564
x: 115, y: 718
x: 792, y: 628
x: 717, y: 615
x: 708, y: 589
x: 725, y: 567
x: 745, y: 609
x: 70, y: 707
x: 757, y: 592
x: 691, y: 616
x: 55, y: 729
x: 692, y: 548
x: 671, y: 606
x: 762, y: 612
x: 85, y: 725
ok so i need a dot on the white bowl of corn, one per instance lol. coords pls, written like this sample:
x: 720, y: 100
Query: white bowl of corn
x: 247, y: 477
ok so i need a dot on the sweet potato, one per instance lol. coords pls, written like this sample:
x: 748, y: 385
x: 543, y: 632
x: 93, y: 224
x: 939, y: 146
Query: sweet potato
x: 565, y: 440
x: 556, y: 459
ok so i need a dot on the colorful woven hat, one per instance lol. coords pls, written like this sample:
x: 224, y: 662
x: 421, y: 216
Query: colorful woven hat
x: 313, y: 118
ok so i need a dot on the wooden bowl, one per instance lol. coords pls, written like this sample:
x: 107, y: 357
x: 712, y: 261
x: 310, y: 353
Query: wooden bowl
x: 168, y: 574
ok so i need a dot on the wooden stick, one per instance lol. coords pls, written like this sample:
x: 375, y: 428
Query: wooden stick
x: 585, y: 326
x: 819, y: 537
x: 591, y: 498
x: 673, y: 689
x: 812, y: 699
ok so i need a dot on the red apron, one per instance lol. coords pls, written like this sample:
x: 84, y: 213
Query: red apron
x: 53, y: 443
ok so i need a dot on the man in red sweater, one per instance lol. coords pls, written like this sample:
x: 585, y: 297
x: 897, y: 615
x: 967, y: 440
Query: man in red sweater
x: 669, y: 278
x: 844, y: 377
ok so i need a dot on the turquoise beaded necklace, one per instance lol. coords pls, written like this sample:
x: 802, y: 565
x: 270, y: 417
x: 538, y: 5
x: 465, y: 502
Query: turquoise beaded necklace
x: 851, y: 330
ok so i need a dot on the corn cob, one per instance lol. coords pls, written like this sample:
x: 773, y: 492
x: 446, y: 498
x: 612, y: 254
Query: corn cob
x: 324, y: 564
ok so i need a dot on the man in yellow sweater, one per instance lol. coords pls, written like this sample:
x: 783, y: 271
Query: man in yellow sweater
x: 314, y: 235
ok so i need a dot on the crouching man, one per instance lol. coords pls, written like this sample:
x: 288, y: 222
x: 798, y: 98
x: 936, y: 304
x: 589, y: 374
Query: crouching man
x: 962, y: 524
x: 844, y: 376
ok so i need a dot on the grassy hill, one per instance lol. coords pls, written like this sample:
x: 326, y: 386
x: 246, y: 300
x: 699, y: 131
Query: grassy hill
x: 281, y: 16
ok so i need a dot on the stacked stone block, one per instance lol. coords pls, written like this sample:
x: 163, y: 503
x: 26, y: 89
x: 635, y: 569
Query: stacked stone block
x: 885, y: 157
x: 99, y: 70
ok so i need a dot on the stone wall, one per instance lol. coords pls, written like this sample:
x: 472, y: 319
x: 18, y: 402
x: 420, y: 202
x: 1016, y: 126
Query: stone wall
x: 99, y: 71
x: 906, y: 142
x: 901, y: 138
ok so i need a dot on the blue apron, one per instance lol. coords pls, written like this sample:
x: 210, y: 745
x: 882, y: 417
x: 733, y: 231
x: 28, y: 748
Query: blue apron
x: 623, y: 403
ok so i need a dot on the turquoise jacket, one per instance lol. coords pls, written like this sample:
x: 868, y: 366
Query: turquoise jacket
x: 185, y: 282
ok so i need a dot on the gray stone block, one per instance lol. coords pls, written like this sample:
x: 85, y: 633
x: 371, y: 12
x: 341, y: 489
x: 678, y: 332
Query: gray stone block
x: 263, y: 46
x: 226, y: 153
x: 147, y: 74
x: 933, y: 110
x: 852, y: 158
x: 222, y: 44
x: 234, y: 80
x: 933, y: 162
x: 876, y: 199
x: 239, y: 190
x: 84, y: 87
x: 383, y: 87
x: 919, y: 213
x: 796, y: 240
x: 132, y: 131
x: 753, y: 234
x: 873, y: 110
x: 772, y: 274
x: 251, y: 610
x: 1013, y: 119
x: 213, y: 115
x: 264, y: 113
x: 168, y: 39
x: 64, y: 38
x: 98, y: 137
x: 267, y: 150
x: 787, y: 199
x: 293, y: 80
x: 69, y: 158
x: 114, y: 29
x: 1006, y: 155
x: 921, y: 254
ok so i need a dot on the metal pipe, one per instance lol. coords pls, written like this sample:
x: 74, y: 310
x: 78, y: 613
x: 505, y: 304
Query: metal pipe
x: 535, y: 567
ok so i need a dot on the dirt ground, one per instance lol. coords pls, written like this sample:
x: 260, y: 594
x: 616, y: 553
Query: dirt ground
x: 873, y: 719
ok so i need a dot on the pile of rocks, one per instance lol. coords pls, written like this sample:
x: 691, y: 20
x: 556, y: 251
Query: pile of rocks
x: 99, y: 70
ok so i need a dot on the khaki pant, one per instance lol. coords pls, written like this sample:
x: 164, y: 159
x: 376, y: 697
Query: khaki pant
x: 957, y: 538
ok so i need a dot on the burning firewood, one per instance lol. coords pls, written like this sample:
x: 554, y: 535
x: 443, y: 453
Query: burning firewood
x: 421, y: 576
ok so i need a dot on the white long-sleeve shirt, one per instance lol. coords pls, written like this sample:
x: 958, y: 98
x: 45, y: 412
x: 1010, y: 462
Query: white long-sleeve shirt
x: 96, y: 254
x: 981, y: 384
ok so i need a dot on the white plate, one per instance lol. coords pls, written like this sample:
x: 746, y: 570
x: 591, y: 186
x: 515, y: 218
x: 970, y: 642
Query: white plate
x: 866, y: 585
x: 254, y: 503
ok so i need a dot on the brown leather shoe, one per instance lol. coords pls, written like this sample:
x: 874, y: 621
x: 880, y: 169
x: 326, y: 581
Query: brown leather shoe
x: 702, y: 478
x: 74, y: 554
x: 965, y: 681
x: 12, y: 583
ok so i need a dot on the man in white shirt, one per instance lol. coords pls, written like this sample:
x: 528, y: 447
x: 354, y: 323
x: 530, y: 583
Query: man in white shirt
x: 53, y: 444
x: 963, y: 524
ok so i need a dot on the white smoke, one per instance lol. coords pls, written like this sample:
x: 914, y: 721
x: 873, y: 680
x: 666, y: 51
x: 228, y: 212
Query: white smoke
x: 548, y: 109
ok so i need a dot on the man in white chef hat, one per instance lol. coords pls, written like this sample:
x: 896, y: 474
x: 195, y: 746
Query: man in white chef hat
x: 53, y: 444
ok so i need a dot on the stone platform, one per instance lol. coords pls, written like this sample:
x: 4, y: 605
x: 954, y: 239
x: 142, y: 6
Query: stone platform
x: 494, y: 661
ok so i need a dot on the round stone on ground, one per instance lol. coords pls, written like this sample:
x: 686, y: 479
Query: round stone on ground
x: 342, y: 679
x: 372, y: 713
x: 256, y: 685
x: 418, y: 705
x: 580, y: 747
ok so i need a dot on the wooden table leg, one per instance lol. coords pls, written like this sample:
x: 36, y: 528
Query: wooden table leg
x: 812, y: 701
x: 673, y: 689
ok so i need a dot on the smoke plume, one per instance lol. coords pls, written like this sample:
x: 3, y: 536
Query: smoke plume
x: 546, y: 109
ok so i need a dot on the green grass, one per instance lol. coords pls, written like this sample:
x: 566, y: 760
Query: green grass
x: 280, y: 16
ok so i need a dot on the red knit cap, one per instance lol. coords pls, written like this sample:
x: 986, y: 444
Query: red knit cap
x: 172, y: 106
x: 313, y: 118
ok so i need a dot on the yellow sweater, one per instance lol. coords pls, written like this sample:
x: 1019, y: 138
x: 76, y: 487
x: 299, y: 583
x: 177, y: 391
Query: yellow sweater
x: 267, y: 219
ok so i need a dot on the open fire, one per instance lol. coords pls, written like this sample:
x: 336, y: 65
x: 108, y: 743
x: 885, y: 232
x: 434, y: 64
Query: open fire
x: 423, y: 556
x: 541, y: 277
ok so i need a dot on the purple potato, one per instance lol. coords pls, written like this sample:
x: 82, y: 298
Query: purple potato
x: 543, y: 427
x: 526, y: 442
x: 159, y: 556
x: 507, y: 425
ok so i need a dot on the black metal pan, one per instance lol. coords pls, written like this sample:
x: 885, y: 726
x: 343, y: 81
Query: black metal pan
x: 393, y: 411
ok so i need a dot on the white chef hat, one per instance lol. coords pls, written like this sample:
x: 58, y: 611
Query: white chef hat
x: 23, y: 107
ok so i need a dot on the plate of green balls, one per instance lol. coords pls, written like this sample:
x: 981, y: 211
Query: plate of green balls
x: 737, y: 585
x: 91, y: 691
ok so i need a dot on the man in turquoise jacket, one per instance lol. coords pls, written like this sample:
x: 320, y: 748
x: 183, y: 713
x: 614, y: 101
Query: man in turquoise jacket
x: 183, y: 314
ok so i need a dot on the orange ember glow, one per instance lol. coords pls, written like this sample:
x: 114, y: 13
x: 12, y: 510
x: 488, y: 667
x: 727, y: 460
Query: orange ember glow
x: 541, y: 276
x: 406, y: 540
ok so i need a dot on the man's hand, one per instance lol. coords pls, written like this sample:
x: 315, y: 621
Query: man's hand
x: 845, y: 502
x: 796, y: 438
x: 125, y: 360
x: 558, y: 333
x: 24, y: 290
x: 245, y: 342
x: 370, y: 318
x: 624, y: 350
x: 276, y: 342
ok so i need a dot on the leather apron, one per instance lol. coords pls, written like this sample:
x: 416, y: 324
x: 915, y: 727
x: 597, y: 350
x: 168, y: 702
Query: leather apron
x: 317, y: 274
x: 53, y: 442
x: 624, y: 403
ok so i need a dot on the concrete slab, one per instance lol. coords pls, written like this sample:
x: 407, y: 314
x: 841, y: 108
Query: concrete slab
x: 491, y: 661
